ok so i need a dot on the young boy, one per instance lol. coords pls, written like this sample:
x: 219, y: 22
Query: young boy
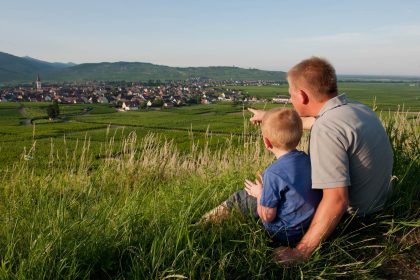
x: 286, y: 203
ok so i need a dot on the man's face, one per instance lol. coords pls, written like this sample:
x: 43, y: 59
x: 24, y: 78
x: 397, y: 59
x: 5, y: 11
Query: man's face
x: 295, y: 98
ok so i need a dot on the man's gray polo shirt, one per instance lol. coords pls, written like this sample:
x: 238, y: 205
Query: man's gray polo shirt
x: 349, y: 147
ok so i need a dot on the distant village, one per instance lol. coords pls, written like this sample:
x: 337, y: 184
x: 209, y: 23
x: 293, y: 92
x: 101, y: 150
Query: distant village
x: 137, y: 95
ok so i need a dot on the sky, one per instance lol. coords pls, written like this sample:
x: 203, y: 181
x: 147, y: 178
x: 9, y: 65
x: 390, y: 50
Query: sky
x: 357, y: 37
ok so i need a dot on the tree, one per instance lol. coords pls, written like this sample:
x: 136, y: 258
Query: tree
x: 193, y: 100
x: 157, y: 102
x: 56, y: 108
x: 50, y: 111
x: 143, y: 105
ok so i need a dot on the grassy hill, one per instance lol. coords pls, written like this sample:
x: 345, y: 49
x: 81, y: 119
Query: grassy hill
x: 135, y: 71
x: 118, y: 203
x: 14, y: 69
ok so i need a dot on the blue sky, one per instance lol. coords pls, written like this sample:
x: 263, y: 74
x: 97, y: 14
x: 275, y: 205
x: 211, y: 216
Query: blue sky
x: 358, y: 37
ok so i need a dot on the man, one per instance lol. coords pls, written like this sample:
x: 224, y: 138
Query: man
x: 351, y: 157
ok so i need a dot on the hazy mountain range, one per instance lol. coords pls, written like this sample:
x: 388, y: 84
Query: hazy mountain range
x: 52, y: 65
x: 15, y: 69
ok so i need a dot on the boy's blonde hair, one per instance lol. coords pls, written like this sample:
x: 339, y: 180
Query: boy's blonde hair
x: 282, y: 127
x: 316, y: 75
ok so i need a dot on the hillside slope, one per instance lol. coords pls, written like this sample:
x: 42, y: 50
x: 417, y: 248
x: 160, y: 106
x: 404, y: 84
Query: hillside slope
x: 135, y: 71
x: 15, y: 69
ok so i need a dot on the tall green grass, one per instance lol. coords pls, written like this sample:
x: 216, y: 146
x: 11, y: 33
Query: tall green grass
x: 130, y: 218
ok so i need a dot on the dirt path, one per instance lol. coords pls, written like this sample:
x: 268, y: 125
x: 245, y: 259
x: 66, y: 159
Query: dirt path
x: 28, y: 120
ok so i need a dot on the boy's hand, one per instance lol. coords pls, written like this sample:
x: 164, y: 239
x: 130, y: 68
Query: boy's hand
x: 258, y: 116
x: 252, y: 189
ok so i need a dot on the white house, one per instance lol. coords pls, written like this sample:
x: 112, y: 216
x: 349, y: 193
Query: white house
x: 102, y: 99
x: 168, y: 105
x: 282, y: 99
x: 130, y: 106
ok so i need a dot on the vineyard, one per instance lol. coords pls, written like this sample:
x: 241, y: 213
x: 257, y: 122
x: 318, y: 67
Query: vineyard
x: 106, y: 194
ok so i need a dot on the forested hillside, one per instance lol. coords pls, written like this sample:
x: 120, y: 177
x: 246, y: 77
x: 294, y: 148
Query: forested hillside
x: 14, y: 69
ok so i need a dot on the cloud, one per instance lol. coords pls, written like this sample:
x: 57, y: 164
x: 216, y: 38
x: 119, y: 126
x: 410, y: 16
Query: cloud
x: 400, y: 30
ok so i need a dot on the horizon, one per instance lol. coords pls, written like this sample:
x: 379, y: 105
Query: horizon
x: 338, y: 74
x: 358, y: 38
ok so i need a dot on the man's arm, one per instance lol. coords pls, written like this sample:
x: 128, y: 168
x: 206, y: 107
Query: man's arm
x: 259, y: 114
x: 332, y: 207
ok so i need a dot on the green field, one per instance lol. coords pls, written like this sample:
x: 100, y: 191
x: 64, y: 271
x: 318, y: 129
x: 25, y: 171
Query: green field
x: 388, y: 95
x: 36, y: 110
x: 217, y: 118
x: 112, y: 195
x: 223, y: 120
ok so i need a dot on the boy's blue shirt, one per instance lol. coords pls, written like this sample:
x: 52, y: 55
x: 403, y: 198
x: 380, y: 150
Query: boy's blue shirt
x: 287, y: 185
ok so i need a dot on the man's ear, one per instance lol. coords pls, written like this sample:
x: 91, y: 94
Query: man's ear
x: 303, y: 96
x: 267, y: 143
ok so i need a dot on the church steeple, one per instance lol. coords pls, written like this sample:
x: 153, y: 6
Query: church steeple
x: 38, y: 82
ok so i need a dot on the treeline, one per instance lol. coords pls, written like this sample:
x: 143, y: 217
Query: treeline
x: 378, y: 81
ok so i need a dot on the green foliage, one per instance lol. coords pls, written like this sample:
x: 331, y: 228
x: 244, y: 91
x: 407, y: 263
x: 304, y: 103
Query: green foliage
x: 51, y: 112
x: 9, y: 114
x: 117, y: 202
x: 217, y: 118
x: 101, y: 109
x: 130, y: 216
x: 194, y: 100
x: 158, y: 102
x: 23, y: 70
x: 389, y: 96
x: 56, y: 108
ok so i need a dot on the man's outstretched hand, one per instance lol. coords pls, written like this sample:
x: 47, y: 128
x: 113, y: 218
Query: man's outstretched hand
x: 258, y: 116
x: 287, y: 256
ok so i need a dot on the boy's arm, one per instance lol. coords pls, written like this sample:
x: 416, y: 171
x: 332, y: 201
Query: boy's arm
x: 259, y: 114
x: 267, y: 214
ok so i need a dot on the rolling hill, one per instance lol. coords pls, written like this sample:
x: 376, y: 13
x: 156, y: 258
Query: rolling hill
x: 15, y: 69
x: 50, y: 65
